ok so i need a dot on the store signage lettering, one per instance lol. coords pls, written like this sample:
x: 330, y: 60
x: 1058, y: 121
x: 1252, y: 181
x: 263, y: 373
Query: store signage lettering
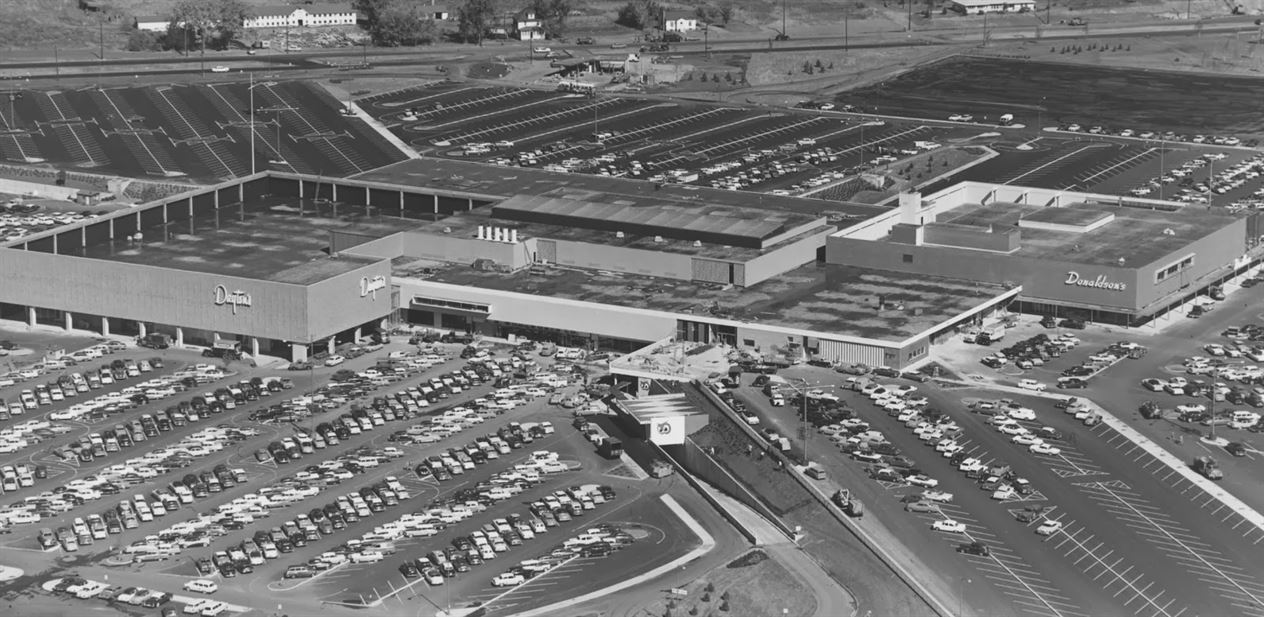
x: 1074, y: 278
x: 233, y: 298
x: 664, y: 428
x: 370, y: 285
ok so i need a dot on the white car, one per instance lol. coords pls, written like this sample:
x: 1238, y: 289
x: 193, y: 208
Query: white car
x: 949, y: 526
x: 1032, y: 384
x: 1012, y: 429
x: 937, y: 495
x: 960, y: 118
x: 201, y: 585
x: 1004, y: 492
x: 1044, y: 448
x: 922, y: 480
x: 1152, y: 384
x: 219, y: 69
x: 508, y: 579
x: 970, y: 464
x: 1021, y: 413
x: 334, y: 360
x: 1191, y: 408
x: 1049, y: 528
x: 541, y: 50
x: 1026, y: 439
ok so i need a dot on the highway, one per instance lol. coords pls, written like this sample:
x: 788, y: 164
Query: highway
x: 1129, y: 543
x: 324, y: 59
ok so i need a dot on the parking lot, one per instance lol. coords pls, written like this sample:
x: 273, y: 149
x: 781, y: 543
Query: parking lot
x: 785, y: 152
x: 1065, y: 526
x: 415, y: 447
x: 200, y: 132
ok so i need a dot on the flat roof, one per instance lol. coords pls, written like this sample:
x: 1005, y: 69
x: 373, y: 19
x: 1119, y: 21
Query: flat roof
x: 467, y: 223
x: 651, y: 216
x: 823, y: 298
x: 509, y: 181
x: 1136, y: 234
x: 1071, y: 215
x: 273, y: 241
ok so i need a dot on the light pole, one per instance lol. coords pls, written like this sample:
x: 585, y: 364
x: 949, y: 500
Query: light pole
x: 802, y: 390
x: 961, y: 595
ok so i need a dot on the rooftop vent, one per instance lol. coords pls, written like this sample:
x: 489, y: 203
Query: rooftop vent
x: 1122, y: 261
x: 618, y: 234
x: 658, y: 239
x: 1168, y: 232
x: 697, y: 243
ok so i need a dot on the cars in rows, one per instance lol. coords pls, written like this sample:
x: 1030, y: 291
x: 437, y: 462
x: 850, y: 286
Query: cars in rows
x: 19, y: 219
x: 594, y: 542
x: 85, y: 589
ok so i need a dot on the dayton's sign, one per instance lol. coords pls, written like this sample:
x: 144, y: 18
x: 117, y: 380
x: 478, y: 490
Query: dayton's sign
x: 370, y: 285
x: 233, y: 298
x: 1073, y: 278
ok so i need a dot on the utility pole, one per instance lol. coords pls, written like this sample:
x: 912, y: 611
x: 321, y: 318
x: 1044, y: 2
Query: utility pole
x: 101, y: 37
x: 253, y: 155
x: 910, y: 15
x: 846, y: 26
x: 783, y: 19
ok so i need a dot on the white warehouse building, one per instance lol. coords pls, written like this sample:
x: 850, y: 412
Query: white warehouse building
x: 308, y: 16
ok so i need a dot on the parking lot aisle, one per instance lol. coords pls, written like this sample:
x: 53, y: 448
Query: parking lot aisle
x: 1183, y: 546
x: 407, y: 97
x: 469, y: 135
x: 583, y: 123
x: 1098, y: 560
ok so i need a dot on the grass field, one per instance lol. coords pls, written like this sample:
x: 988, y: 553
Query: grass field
x: 1111, y: 97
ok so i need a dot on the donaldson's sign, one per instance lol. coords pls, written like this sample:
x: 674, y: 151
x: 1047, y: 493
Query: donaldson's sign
x: 1073, y: 278
x: 668, y: 431
x: 370, y: 285
x: 233, y: 298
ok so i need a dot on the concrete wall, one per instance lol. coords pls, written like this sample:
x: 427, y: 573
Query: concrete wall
x: 152, y: 294
x: 965, y: 236
x: 462, y: 249
x: 1214, y: 255
x: 692, y: 457
x: 1040, y: 278
x: 351, y: 243
x: 562, y: 314
x: 343, y: 302
x: 774, y: 263
x: 37, y: 189
x: 620, y: 259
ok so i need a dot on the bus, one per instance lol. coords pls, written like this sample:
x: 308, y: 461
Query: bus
x: 577, y: 87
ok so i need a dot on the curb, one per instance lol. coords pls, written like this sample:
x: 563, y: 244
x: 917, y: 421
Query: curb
x: 708, y: 543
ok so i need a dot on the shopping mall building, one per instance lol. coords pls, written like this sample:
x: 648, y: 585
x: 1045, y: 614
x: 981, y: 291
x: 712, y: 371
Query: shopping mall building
x: 290, y: 265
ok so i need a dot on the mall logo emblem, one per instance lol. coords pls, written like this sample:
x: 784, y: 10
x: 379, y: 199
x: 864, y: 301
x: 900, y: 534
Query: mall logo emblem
x: 370, y: 285
x: 233, y: 298
x: 1073, y: 278
x: 664, y: 428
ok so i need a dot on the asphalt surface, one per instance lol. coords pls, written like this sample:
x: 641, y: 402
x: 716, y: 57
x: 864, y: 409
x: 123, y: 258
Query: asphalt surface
x: 198, y: 132
x: 1130, y: 542
x: 662, y: 535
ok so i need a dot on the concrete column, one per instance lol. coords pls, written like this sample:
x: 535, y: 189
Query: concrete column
x: 401, y: 204
x: 111, y: 229
x: 333, y: 191
x: 216, y: 194
x: 357, y: 335
x: 254, y: 347
x: 105, y: 326
x: 298, y: 352
x: 332, y: 345
x: 141, y: 328
x: 30, y: 316
x: 368, y: 196
x: 179, y: 337
x: 68, y: 323
x: 435, y: 201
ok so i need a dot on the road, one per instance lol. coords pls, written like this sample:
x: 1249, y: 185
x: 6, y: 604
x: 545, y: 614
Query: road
x: 319, y: 59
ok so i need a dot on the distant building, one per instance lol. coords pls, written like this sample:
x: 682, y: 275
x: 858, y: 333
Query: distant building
x: 678, y: 21
x: 152, y: 23
x: 528, y: 26
x: 438, y: 13
x: 307, y: 16
x: 978, y: 7
x: 93, y: 6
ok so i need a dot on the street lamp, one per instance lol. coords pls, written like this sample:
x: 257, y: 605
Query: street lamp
x: 802, y: 390
x: 961, y: 595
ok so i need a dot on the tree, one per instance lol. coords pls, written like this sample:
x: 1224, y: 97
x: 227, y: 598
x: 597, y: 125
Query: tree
x: 552, y: 15
x: 144, y: 40
x: 402, y: 24
x: 634, y: 14
x: 218, y: 20
x: 474, y: 18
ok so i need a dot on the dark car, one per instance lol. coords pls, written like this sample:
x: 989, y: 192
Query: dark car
x: 1048, y: 321
x: 1236, y: 448
x: 974, y: 548
x: 1071, y: 324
